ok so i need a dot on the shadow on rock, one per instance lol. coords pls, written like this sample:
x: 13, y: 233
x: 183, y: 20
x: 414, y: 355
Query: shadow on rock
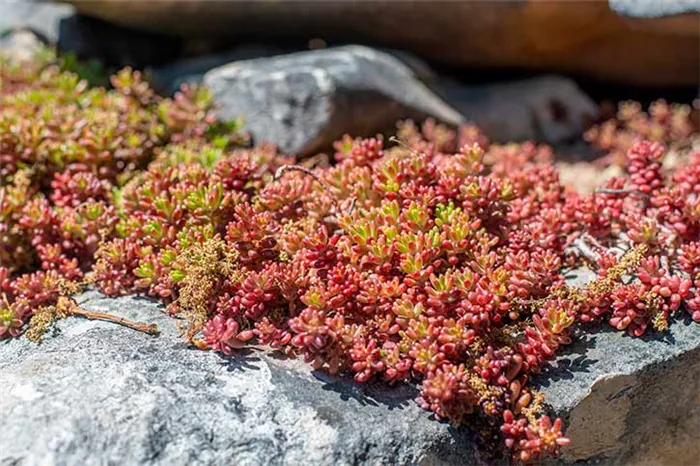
x: 572, y: 361
x: 373, y: 393
x: 565, y: 369
x: 240, y: 361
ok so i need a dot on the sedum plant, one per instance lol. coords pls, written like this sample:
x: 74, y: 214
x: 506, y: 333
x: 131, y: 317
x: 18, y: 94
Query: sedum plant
x: 438, y: 259
x: 673, y: 125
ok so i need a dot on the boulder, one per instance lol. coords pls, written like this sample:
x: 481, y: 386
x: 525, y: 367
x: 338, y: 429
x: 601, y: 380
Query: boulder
x: 668, y: 16
x: 42, y: 19
x: 20, y: 45
x: 629, y: 401
x: 304, y: 101
x: 654, y: 8
x: 584, y: 37
x: 96, y: 393
x: 191, y: 70
x: 547, y: 108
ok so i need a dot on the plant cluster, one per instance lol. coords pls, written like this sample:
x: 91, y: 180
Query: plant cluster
x: 439, y: 260
x: 66, y: 151
x: 673, y: 125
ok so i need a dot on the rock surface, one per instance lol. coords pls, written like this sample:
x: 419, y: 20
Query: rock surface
x: 96, y: 393
x: 655, y: 8
x: 20, y: 45
x: 169, y: 77
x: 583, y: 36
x: 630, y: 401
x: 667, y: 16
x: 41, y: 18
x: 549, y: 108
x: 304, y: 101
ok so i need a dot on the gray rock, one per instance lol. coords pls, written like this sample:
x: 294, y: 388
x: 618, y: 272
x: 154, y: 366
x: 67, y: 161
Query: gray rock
x: 41, y: 18
x: 95, y: 393
x: 630, y: 400
x: 549, y: 108
x: 20, y: 45
x: 654, y: 8
x: 625, y: 400
x: 304, y: 101
x: 169, y: 77
x: 678, y: 17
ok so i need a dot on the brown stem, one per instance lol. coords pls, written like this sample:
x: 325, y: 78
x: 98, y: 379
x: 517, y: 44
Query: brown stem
x: 404, y: 145
x: 285, y: 168
x: 151, y: 329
